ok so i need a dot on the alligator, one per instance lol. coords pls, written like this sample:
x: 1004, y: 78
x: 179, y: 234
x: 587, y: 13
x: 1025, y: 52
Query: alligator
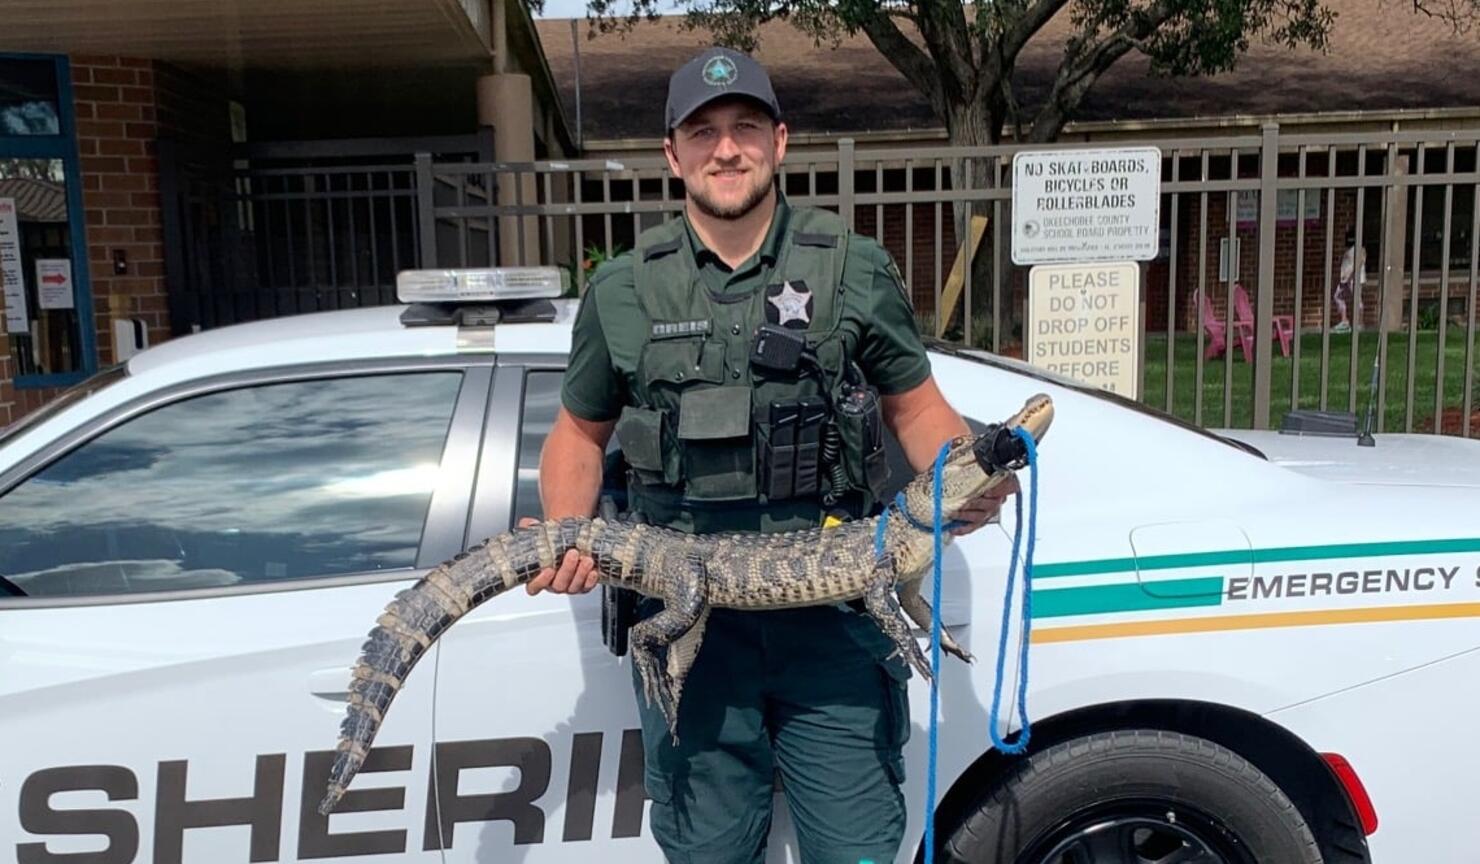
x: 693, y: 574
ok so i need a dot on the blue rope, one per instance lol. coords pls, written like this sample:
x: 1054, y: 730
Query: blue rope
x: 904, y: 510
x: 935, y: 625
x: 1027, y: 614
x: 935, y: 622
x: 940, y: 459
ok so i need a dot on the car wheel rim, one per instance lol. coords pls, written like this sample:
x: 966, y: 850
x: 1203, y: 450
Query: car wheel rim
x: 1139, y: 832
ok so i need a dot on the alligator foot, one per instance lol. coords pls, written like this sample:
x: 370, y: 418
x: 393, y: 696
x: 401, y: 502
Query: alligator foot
x: 884, y: 608
x: 684, y: 611
x: 681, y: 656
x: 918, y: 608
x: 649, y: 671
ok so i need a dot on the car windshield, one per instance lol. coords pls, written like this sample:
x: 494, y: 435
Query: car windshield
x: 73, y: 394
x: 1019, y: 367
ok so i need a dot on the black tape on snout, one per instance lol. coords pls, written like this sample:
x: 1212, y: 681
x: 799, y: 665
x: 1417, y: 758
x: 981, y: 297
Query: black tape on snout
x: 999, y: 448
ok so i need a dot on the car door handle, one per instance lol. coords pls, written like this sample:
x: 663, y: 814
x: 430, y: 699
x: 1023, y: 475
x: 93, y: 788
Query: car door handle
x: 331, y: 684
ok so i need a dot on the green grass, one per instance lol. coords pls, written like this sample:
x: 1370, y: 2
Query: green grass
x: 1339, y: 392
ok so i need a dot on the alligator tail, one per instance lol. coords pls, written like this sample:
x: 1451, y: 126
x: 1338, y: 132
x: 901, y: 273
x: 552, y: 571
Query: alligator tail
x: 418, y: 615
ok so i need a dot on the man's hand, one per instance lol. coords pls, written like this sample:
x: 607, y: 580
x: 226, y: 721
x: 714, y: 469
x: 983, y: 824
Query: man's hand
x: 577, y: 573
x: 986, y: 508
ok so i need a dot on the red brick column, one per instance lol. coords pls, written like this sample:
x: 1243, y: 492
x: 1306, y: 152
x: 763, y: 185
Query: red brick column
x: 15, y: 404
x: 117, y: 125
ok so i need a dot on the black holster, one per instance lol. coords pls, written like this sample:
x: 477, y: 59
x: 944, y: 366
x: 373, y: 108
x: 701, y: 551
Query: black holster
x: 618, y: 605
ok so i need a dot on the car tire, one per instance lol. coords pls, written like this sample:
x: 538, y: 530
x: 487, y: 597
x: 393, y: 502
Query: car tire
x: 1132, y: 797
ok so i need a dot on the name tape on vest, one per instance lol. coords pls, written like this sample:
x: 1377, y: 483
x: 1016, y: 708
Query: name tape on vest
x: 672, y: 329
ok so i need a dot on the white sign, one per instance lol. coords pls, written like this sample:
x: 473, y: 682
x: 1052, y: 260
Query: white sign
x: 1084, y: 323
x: 1085, y: 205
x: 54, y: 283
x: 12, y: 278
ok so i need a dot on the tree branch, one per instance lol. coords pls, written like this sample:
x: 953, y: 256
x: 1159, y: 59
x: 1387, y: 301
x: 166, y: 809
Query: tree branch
x: 948, y: 43
x: 1460, y: 15
x: 1014, y: 111
x: 1084, y: 65
x: 907, y: 57
x: 1001, y: 57
x: 1015, y: 37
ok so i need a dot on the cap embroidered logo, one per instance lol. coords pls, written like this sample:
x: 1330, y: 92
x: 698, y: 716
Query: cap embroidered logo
x: 720, y: 72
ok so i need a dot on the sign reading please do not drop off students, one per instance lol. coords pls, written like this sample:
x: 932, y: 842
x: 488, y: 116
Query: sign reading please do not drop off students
x: 1084, y: 323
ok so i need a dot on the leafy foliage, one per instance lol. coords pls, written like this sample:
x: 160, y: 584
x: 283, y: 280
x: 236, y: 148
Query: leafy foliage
x: 961, y: 56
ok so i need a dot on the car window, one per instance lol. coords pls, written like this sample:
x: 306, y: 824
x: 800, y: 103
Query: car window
x: 258, y: 484
x: 541, y: 404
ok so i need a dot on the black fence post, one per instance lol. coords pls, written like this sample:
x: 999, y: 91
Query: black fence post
x: 426, y: 211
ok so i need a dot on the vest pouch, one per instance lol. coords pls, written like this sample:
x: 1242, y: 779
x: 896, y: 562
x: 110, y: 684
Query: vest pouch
x: 666, y: 369
x: 669, y: 367
x: 718, y: 458
x: 865, y: 460
x: 647, y: 444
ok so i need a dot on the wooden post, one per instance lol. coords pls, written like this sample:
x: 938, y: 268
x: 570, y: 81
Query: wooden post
x: 951, y: 294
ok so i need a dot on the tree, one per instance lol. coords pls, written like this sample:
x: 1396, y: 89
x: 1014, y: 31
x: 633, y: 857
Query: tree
x: 961, y: 56
x: 1459, y: 14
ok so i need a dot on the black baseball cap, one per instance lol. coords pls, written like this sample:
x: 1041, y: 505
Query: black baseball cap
x: 714, y: 73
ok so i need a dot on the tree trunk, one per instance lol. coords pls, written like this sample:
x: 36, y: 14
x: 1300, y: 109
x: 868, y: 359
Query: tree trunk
x: 975, y: 124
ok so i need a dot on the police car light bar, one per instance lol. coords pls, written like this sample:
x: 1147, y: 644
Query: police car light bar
x: 479, y: 285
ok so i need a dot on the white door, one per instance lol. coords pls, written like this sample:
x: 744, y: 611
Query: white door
x: 538, y: 753
x: 199, y: 574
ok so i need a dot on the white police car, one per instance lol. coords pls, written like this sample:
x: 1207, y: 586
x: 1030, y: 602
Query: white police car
x: 1234, y: 658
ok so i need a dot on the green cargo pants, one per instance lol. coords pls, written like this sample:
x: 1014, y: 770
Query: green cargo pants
x: 806, y: 691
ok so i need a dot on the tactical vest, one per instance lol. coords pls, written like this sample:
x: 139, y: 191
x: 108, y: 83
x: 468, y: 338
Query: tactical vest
x: 711, y: 428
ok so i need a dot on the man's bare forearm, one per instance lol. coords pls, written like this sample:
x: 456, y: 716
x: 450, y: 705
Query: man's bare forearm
x: 571, y: 466
x: 922, y: 420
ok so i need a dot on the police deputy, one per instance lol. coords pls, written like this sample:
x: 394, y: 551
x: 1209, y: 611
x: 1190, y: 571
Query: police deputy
x: 746, y: 355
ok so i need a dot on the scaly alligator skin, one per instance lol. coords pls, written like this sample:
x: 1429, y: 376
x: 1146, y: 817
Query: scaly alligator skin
x: 692, y: 574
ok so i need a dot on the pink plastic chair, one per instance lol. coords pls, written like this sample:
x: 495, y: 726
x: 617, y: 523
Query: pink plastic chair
x: 1243, y: 310
x: 1217, y: 331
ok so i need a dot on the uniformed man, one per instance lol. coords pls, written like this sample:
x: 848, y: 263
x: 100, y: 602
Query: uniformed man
x: 745, y: 356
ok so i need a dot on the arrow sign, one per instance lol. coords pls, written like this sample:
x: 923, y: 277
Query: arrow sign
x: 54, y: 283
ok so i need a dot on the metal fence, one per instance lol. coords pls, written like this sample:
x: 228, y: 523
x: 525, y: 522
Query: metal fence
x: 1270, y: 217
x: 288, y: 228
x: 1264, y: 216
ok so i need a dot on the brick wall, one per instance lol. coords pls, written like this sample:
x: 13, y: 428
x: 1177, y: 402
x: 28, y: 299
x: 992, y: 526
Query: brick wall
x: 1314, y: 263
x: 15, y: 404
x: 123, y: 106
x: 117, y: 124
x: 903, y: 229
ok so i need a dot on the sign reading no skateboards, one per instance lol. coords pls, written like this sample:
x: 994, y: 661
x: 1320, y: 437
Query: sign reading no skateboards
x: 1085, y: 205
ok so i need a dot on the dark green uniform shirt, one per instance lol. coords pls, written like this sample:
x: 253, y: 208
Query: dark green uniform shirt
x: 876, y: 310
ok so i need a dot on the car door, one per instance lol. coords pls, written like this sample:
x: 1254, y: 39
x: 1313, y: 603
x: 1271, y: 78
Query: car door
x: 200, y: 569
x: 539, y: 757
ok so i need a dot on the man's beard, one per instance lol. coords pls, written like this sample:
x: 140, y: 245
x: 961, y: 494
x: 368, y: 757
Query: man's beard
x: 752, y: 199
